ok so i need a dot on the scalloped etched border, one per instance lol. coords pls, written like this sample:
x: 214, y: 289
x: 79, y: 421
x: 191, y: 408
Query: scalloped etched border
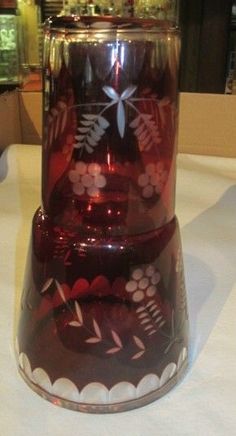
x: 97, y: 393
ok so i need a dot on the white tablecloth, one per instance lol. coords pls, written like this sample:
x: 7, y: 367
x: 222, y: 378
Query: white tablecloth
x: 205, y: 401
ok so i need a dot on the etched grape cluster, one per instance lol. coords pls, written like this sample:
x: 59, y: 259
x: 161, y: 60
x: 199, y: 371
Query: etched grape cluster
x: 87, y: 179
x: 153, y: 180
x: 143, y: 283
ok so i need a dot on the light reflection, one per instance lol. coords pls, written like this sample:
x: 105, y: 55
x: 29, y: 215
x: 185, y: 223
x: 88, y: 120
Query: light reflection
x: 109, y: 160
x: 122, y: 55
x: 113, y: 55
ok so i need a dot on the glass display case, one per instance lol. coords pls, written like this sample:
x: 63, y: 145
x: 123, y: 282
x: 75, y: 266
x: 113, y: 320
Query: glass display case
x: 9, y: 49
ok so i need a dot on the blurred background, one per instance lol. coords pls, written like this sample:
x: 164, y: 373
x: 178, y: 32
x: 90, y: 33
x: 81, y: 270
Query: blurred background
x: 208, y: 41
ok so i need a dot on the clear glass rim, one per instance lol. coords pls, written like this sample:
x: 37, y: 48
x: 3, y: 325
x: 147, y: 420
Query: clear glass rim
x: 75, y: 24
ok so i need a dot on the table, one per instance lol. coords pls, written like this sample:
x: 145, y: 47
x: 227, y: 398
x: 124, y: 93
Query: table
x: 204, y: 403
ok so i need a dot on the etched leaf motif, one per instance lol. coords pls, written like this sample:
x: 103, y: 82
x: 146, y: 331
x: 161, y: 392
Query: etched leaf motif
x: 79, y: 137
x: 152, y: 302
x: 93, y: 340
x: 113, y: 350
x: 89, y: 148
x: 149, y: 327
x: 117, y: 339
x: 140, y: 309
x: 90, y: 117
x: 98, y: 130
x: 86, y: 123
x: 97, y: 329
x: 144, y: 135
x: 83, y: 129
x: 139, y: 130
x: 138, y: 355
x: 79, y: 312
x: 47, y: 285
x: 61, y: 292
x: 91, y: 141
x: 111, y: 93
x: 74, y: 324
x: 152, y: 332
x: 142, y: 315
x: 95, y: 136
x: 128, y: 92
x: 145, y: 321
x: 92, y: 128
x: 146, y: 141
x: 121, y: 119
x: 146, y: 131
x: 135, y: 123
x: 103, y: 122
x: 139, y: 343
x: 162, y: 323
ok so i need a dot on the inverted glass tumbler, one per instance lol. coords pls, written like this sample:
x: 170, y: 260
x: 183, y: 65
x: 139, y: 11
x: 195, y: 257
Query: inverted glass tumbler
x: 103, y: 318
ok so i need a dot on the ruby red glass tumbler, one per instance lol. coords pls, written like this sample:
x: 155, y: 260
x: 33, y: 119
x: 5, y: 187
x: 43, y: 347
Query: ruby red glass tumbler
x: 103, y: 323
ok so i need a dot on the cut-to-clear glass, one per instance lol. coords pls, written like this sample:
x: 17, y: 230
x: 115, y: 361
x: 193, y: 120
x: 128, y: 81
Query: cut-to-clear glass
x: 103, y: 319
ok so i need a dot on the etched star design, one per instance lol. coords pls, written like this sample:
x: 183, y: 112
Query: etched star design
x: 119, y: 100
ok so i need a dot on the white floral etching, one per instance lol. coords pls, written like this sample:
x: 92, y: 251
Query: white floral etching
x: 140, y: 346
x: 150, y: 317
x: 87, y: 179
x: 153, y: 180
x: 142, y: 287
x: 115, y: 344
x: 91, y: 131
x: 97, y: 337
x: 94, y: 125
x: 119, y: 100
x: 146, y: 131
x: 97, y: 393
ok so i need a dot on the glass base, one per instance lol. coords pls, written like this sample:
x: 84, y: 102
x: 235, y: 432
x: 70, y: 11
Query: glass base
x: 107, y: 331
x: 113, y: 407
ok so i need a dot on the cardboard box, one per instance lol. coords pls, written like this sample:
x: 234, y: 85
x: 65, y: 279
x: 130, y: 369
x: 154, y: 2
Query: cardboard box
x: 207, y: 122
x: 10, y: 125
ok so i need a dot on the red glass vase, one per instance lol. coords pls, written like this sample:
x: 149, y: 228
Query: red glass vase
x: 103, y: 318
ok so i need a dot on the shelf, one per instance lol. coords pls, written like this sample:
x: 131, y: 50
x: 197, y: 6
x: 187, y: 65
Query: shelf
x: 8, y: 49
